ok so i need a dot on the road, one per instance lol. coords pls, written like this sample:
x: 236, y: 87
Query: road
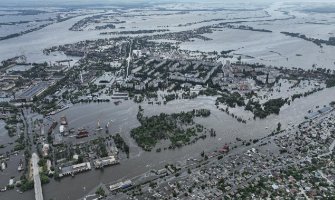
x: 129, y: 59
x: 37, y: 180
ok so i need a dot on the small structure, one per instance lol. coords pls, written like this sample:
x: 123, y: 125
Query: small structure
x: 196, y: 89
x: 11, y: 182
x: 58, y: 139
x: 120, y: 95
x: 162, y: 171
x: 75, y: 157
x: 45, y: 149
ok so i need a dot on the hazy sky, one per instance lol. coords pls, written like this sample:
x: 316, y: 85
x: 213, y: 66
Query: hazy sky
x: 111, y: 2
x: 121, y: 1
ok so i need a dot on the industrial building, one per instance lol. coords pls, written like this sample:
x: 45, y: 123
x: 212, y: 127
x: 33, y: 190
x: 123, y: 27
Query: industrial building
x: 120, y: 185
x: 33, y: 91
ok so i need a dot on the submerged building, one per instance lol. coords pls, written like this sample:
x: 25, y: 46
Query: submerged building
x: 74, y: 169
x: 106, y: 161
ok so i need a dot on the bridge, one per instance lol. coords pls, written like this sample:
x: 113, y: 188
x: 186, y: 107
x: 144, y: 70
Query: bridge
x: 37, y: 180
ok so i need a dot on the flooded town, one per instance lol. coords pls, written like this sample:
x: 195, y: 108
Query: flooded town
x: 174, y: 100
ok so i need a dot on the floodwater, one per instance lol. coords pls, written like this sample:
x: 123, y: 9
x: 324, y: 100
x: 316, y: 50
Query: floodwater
x: 267, y: 48
x: 32, y: 44
x: 124, y: 119
x: 273, y: 49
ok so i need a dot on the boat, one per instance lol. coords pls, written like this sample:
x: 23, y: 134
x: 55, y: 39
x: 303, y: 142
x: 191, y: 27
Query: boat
x: 98, y: 126
x: 61, y: 129
x: 63, y: 120
x: 3, y: 166
x: 107, y: 125
x: 224, y: 149
x: 72, y: 130
x: 117, y: 102
x: 82, y: 133
x: 20, y: 167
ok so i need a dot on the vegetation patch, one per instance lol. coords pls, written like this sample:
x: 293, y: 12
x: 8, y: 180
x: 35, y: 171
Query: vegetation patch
x: 179, y: 128
x: 270, y: 107
x: 231, y: 99
x: 121, y: 144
